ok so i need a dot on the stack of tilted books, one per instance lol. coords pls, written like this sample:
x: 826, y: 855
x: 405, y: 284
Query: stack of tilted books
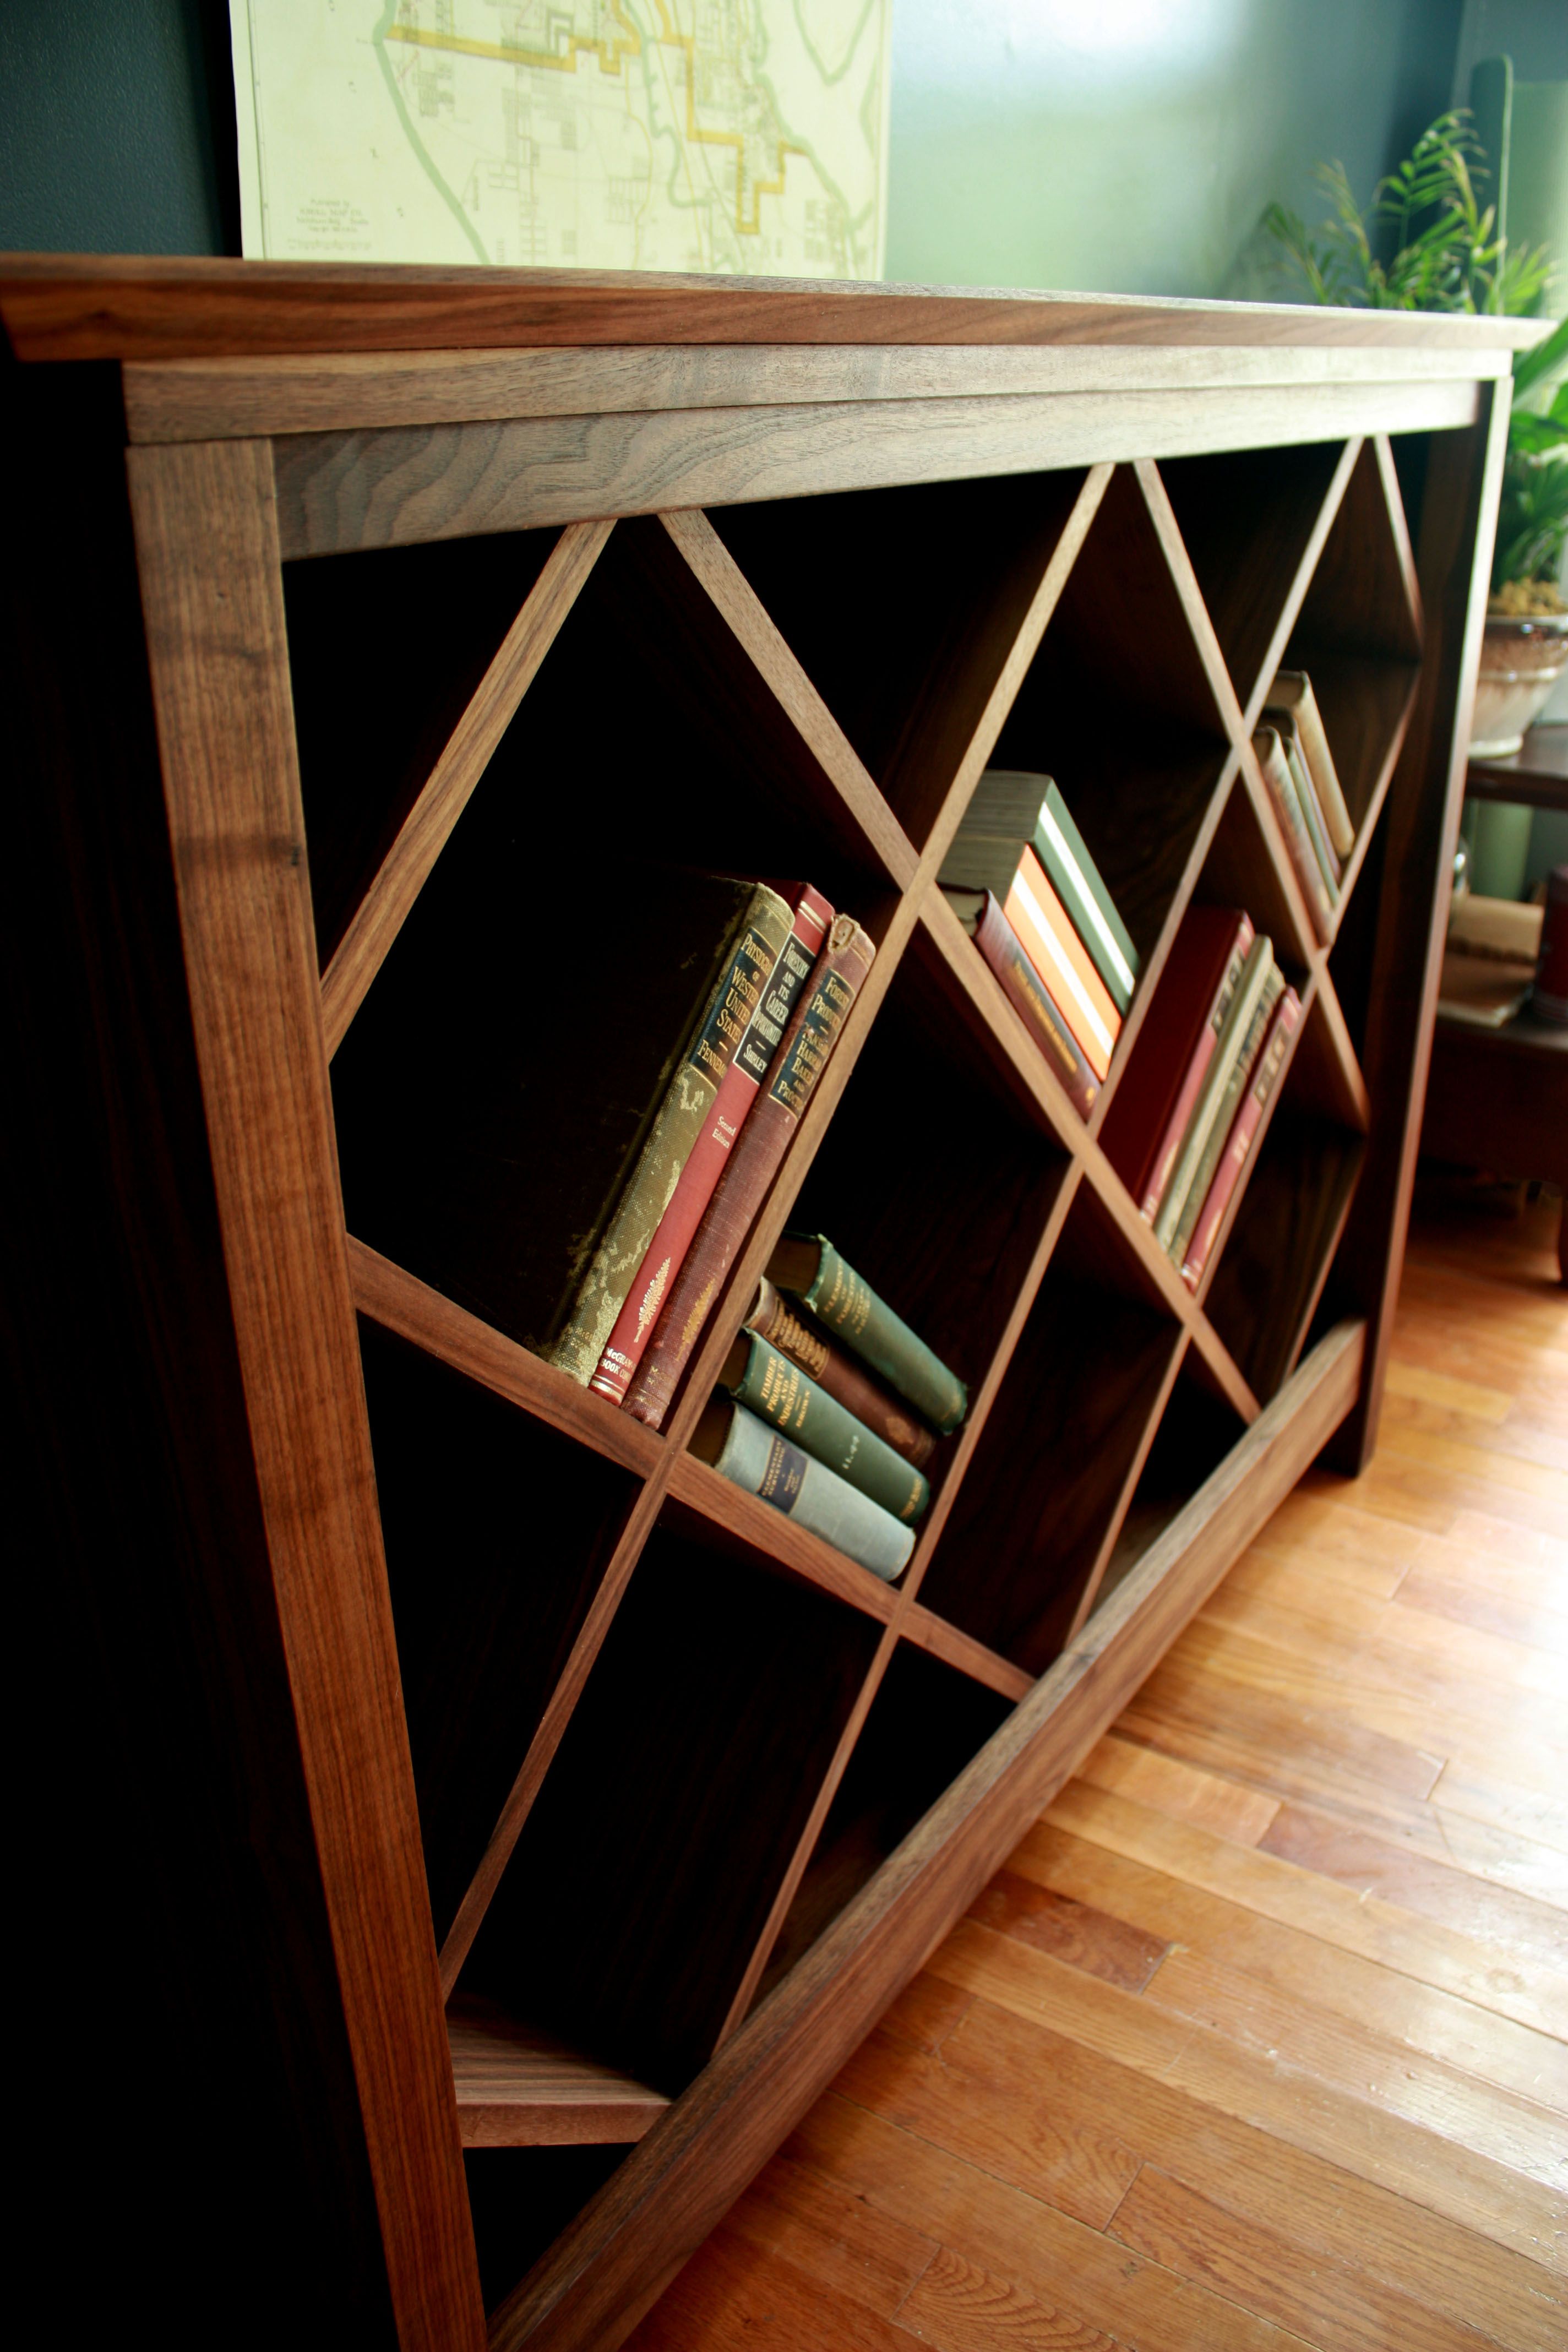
x: 1021, y: 880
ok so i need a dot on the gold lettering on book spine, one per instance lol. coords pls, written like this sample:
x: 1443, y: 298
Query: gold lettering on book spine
x: 793, y: 1339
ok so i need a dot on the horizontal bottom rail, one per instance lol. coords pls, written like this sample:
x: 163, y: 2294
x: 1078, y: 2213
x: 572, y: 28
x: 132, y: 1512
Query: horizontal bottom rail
x: 626, y: 2246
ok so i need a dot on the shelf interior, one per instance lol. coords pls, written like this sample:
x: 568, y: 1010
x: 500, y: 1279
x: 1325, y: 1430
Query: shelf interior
x: 924, y: 1725
x: 1194, y: 1434
x: 386, y: 649
x: 1119, y: 707
x: 497, y: 1531
x: 904, y: 636
x: 645, y: 1871
x: 1248, y: 519
x: 935, y: 1180
x: 1063, y: 1437
x: 1271, y: 1271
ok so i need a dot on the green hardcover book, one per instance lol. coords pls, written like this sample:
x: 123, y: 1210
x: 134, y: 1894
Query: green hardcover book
x: 1230, y: 1104
x: 676, y: 1125
x: 1010, y: 810
x: 1216, y: 1078
x: 779, y: 1393
x: 809, y: 1268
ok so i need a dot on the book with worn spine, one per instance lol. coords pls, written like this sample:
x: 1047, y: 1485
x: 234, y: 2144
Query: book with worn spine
x: 1285, y: 795
x: 779, y: 1393
x: 1154, y: 1101
x: 763, y: 1463
x: 1230, y: 1103
x: 980, y: 915
x: 675, y: 1126
x: 809, y: 1267
x: 1238, y: 1143
x: 819, y: 1014
x: 673, y: 1236
x: 1291, y: 697
x: 1210, y: 1093
x: 1010, y: 810
x: 839, y: 1375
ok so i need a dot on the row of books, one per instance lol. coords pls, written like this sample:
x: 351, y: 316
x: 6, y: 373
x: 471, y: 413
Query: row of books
x: 828, y: 1406
x: 1214, y: 1043
x: 1021, y: 880
x: 791, y: 968
x: 1298, y: 770
x: 814, y: 1407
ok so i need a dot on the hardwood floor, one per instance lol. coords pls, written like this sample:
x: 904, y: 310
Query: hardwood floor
x: 1261, y: 2039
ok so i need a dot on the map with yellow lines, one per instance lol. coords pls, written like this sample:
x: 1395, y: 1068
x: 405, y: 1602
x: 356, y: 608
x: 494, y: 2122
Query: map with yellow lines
x: 736, y: 135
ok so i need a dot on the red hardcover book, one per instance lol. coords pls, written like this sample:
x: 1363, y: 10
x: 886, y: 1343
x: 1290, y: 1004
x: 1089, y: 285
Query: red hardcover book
x: 819, y: 1015
x: 1161, y: 1084
x: 1027, y: 992
x: 1227, y: 1175
x: 695, y: 1187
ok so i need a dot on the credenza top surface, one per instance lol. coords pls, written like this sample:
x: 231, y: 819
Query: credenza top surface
x: 98, y: 306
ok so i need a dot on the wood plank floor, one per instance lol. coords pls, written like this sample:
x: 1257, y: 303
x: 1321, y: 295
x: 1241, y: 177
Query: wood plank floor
x: 1261, y: 2039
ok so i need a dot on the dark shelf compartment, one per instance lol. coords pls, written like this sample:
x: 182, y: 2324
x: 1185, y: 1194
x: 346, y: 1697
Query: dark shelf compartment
x: 925, y: 1724
x: 644, y: 1873
x: 522, y: 2198
x: 1117, y: 706
x: 497, y: 1532
x: 902, y: 607
x: 1062, y: 1438
x: 1357, y: 636
x: 499, y: 1078
x: 937, y: 1177
x: 1262, y: 1293
x: 1246, y: 519
x: 1196, y: 1432
x: 386, y: 649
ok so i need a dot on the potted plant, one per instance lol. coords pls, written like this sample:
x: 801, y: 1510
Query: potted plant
x: 1426, y: 242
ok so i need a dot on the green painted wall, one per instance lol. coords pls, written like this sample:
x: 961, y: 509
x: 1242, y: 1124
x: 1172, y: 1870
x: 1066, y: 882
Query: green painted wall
x: 1127, y: 145
x: 1131, y: 146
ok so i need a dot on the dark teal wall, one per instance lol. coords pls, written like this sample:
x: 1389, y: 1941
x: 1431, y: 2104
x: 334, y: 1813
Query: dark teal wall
x: 112, y: 138
x: 1027, y: 146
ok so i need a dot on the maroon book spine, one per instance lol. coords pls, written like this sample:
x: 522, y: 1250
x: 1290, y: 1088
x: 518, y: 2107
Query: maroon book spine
x: 1227, y: 1175
x: 813, y: 1031
x: 1033, y: 1002
x: 1154, y: 1100
x: 676, y: 1229
x: 839, y: 1376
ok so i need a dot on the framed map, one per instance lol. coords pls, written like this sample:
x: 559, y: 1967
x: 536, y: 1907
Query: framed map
x: 734, y: 135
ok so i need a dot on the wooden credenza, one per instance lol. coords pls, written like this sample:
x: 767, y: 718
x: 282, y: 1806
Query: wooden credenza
x: 514, y: 1826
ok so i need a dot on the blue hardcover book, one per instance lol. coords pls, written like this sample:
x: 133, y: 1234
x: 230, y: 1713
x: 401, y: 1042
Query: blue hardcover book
x: 753, y: 1457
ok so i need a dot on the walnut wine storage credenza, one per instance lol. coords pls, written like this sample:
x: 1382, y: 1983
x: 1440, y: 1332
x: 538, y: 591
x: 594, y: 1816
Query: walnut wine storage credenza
x: 476, y: 1832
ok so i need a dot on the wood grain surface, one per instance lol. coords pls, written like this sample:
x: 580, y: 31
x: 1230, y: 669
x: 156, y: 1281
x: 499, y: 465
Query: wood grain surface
x: 522, y: 2089
x: 403, y: 485
x: 201, y: 400
x: 212, y: 593
x: 66, y: 306
x: 674, y: 2188
x: 1260, y: 2039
